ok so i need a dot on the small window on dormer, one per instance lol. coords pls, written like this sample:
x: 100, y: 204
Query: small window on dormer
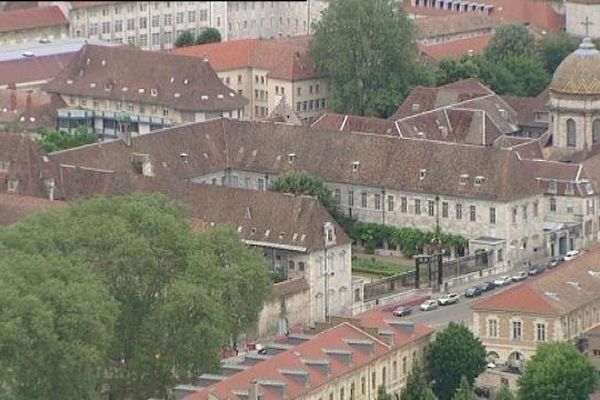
x: 12, y: 185
x: 4, y: 165
x: 291, y: 157
x: 422, y: 174
x: 479, y: 180
x: 153, y: 92
x: 463, y: 179
x: 569, y: 189
x: 355, y: 166
x: 329, y: 235
x: 552, y: 186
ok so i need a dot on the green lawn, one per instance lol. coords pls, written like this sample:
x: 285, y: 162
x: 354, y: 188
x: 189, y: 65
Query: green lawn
x: 368, y: 264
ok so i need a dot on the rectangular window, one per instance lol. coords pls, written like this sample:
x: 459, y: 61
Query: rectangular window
x: 363, y: 200
x: 156, y: 38
x: 130, y: 24
x: 524, y: 212
x: 492, y: 328
x: 500, y: 256
x: 191, y: 16
x: 390, y: 203
x: 155, y: 21
x: 168, y: 37
x: 118, y: 26
x: 203, y: 15
x: 395, y: 369
x: 143, y: 22
x: 106, y: 27
x: 291, y: 265
x: 248, y: 182
x: 553, y: 204
x: 492, y: 215
x: 144, y: 40
x: 458, y: 211
x: 541, y: 332
x: 351, y: 198
x: 299, y: 91
x: 404, y: 365
x: 363, y: 385
x: 514, y: 215
x: 516, y: 330
x: 179, y: 18
x: 377, y: 202
x: 472, y: 213
x: 417, y: 206
x: 261, y: 184
x: 374, y: 380
x: 430, y: 208
x: 342, y: 394
x: 535, y: 209
x: 403, y: 204
x: 444, y: 209
x: 337, y: 193
x: 168, y: 20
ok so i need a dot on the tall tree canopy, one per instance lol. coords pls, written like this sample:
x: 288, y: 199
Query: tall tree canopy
x: 302, y: 182
x: 464, y: 391
x: 179, y: 294
x: 209, y: 35
x: 454, y: 353
x: 504, y: 394
x: 368, y: 49
x: 557, y: 371
x: 186, y: 38
x: 512, y: 40
x: 555, y: 47
x: 416, y: 386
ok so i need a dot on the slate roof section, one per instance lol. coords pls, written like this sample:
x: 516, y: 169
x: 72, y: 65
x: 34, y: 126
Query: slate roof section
x: 34, y: 69
x: 454, y: 24
x: 456, y: 48
x: 32, y: 18
x: 295, y: 359
x: 14, y: 208
x: 123, y: 73
x: 283, y: 58
x: 528, y: 107
x: 385, y: 161
x: 354, y: 123
x: 551, y: 293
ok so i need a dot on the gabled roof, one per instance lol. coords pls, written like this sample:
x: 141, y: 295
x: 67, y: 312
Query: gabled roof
x: 124, y: 73
x: 32, y: 18
x: 558, y: 291
x: 282, y: 58
x: 298, y: 359
x: 263, y: 147
x: 34, y: 69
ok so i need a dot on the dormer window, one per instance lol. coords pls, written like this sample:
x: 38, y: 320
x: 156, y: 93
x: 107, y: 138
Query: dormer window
x: 103, y: 62
x: 184, y: 157
x: 355, y: 166
x: 4, y: 165
x: 125, y: 88
x: 463, y: 179
x: 12, y: 185
x: 141, y: 90
x: 552, y: 186
x: 186, y: 81
x: 292, y: 157
x: 107, y: 87
x: 422, y: 174
x: 479, y: 180
x: 153, y: 92
x: 569, y: 189
x: 172, y: 79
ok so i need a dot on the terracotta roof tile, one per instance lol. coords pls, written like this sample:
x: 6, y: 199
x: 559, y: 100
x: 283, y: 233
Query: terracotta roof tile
x: 124, y: 73
x: 282, y: 58
x: 528, y: 107
x: 14, y: 208
x: 558, y: 291
x: 355, y: 123
x: 292, y: 359
x: 31, y: 18
x: 34, y: 69
x: 380, y: 319
x: 456, y: 48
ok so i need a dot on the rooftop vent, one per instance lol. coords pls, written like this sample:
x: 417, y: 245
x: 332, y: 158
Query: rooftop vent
x: 125, y: 88
x: 302, y: 237
x: 177, y: 95
x: 421, y: 135
x: 172, y: 79
x: 595, y: 274
x: 343, y: 355
x: 88, y: 60
x: 575, y: 285
x: 361, y: 344
x: 103, y: 62
x: 355, y: 166
x: 422, y: 173
x: 552, y: 295
x: 220, y: 96
x: 231, y: 94
x: 276, y: 348
x: 184, y: 157
x: 267, y: 233
x: 298, y: 375
x: 295, y: 236
x: 141, y: 90
x: 204, y: 97
x: 93, y: 85
x: 69, y: 81
x: 186, y: 81
x: 323, y: 365
x: 415, y: 107
x: 406, y: 327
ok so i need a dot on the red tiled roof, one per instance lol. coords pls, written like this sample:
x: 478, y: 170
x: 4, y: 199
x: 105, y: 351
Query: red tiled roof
x: 272, y: 369
x: 456, y: 48
x: 561, y: 290
x: 29, y: 109
x: 34, y: 69
x: 30, y: 18
x: 595, y: 331
x: 380, y: 319
x: 14, y: 207
x: 355, y: 123
x: 282, y: 58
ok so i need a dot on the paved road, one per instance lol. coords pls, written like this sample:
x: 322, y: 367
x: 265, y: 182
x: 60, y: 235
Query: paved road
x: 460, y: 311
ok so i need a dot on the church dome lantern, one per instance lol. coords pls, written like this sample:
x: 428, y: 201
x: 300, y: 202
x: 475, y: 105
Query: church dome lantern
x: 579, y: 73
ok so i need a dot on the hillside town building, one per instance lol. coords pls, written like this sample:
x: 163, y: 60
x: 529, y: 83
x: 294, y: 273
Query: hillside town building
x: 266, y: 72
x: 108, y: 88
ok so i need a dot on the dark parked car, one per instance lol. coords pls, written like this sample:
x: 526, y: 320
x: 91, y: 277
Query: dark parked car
x: 536, y: 269
x: 401, y: 311
x: 555, y: 261
x: 487, y: 286
x: 473, y: 292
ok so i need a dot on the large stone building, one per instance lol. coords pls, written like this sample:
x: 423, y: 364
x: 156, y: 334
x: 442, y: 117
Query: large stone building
x: 348, y: 361
x: 267, y: 71
x: 102, y: 83
x: 33, y: 24
x: 558, y: 306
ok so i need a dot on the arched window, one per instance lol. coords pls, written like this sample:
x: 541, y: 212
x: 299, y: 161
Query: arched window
x: 571, y: 133
x: 596, y: 131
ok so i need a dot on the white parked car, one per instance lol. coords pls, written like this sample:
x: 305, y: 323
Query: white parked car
x: 571, y: 255
x: 503, y: 280
x: 429, y: 305
x: 450, y: 298
x: 521, y: 276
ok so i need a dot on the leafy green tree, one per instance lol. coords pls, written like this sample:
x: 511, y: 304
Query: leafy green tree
x: 504, y: 394
x: 529, y: 77
x: 557, y: 371
x: 368, y: 49
x: 52, y: 140
x: 416, y: 386
x: 56, y: 323
x: 186, y: 38
x: 302, y: 182
x: 452, y: 69
x: 512, y: 40
x: 454, y: 353
x: 464, y: 391
x: 555, y: 47
x: 181, y: 294
x: 209, y: 35
x: 382, y: 394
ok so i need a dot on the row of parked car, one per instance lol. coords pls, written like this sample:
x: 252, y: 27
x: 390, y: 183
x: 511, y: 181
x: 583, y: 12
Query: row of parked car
x: 431, y: 304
